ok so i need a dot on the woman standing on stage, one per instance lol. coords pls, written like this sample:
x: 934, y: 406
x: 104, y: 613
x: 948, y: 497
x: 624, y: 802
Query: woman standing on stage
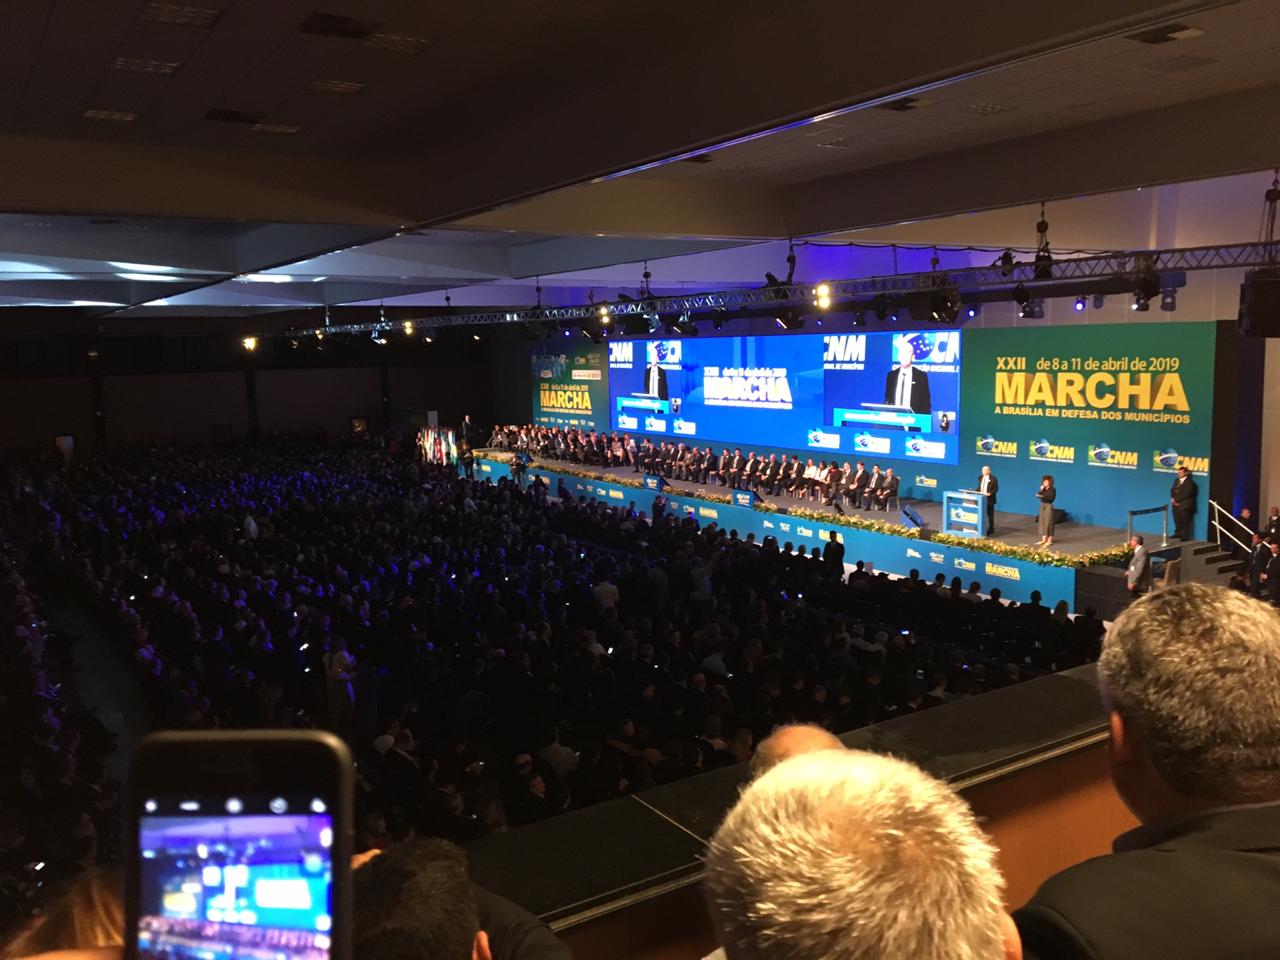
x: 1046, y: 494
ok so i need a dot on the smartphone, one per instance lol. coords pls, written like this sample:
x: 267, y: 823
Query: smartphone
x: 239, y: 846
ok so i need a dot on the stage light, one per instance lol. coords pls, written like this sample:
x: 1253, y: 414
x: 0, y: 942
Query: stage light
x: 1080, y: 304
x: 1099, y: 300
x: 250, y: 343
x: 1020, y: 295
x: 377, y: 337
x: 822, y: 296
x: 1032, y: 310
x: 943, y: 307
x: 881, y: 305
x: 476, y: 337
x: 1168, y: 300
x: 408, y: 328
x: 428, y: 337
x: 1145, y: 286
x: 603, y: 312
x: 718, y: 319
x: 686, y: 325
x: 972, y: 310
x: 320, y: 335
x: 860, y: 318
x: 789, y: 320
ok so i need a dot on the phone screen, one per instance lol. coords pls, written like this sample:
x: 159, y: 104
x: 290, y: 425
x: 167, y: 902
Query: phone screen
x: 235, y: 876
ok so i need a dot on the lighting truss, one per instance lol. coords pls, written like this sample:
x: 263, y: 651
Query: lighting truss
x: 1107, y: 266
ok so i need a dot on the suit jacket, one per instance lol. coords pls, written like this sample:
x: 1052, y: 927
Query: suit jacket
x: 737, y: 464
x: 1184, y: 494
x: 1201, y: 887
x: 724, y: 461
x: 1272, y: 528
x: 992, y: 487
x: 858, y: 480
x: 1139, y: 573
x: 833, y: 552
x: 774, y: 470
x: 1048, y: 494
x: 918, y: 400
x: 1273, y: 578
x: 658, y: 388
x: 890, y: 486
x: 1260, y: 560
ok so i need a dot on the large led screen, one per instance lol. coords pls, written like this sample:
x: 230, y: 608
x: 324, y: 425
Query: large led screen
x: 893, y: 395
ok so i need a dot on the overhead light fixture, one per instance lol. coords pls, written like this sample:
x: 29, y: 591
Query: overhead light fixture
x: 1080, y: 304
x: 685, y: 324
x: 1099, y: 300
x: 475, y: 336
x: 1169, y: 300
x: 1146, y: 285
x: 603, y: 312
x: 407, y: 326
x: 944, y: 306
x: 1020, y: 295
x: 881, y: 307
x: 428, y: 336
x: 860, y: 318
x: 1032, y: 310
x: 972, y: 310
x: 249, y: 343
x: 822, y: 296
x: 377, y: 337
x: 789, y: 319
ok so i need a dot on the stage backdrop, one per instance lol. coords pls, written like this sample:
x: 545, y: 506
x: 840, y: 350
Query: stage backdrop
x: 1109, y: 410
x: 570, y: 385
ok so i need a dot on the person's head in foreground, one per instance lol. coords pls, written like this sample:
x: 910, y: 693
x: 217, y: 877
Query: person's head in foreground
x: 1191, y: 678
x: 415, y: 903
x: 846, y: 855
x: 790, y: 741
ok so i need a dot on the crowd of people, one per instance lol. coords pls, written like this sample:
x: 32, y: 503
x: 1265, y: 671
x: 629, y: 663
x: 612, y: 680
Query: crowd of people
x: 493, y: 654
x: 827, y: 481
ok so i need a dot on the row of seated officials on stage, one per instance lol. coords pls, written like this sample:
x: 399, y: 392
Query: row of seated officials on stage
x: 833, y: 484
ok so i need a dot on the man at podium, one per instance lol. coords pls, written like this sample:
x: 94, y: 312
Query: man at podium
x: 988, y: 484
x: 905, y: 386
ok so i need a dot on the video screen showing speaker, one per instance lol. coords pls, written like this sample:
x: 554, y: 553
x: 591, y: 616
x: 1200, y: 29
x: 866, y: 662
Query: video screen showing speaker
x: 894, y: 395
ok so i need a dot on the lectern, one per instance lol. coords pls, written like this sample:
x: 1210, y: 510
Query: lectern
x: 964, y: 513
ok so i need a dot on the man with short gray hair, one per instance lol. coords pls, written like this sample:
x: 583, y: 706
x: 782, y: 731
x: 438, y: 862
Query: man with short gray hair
x: 1191, y: 678
x: 847, y: 855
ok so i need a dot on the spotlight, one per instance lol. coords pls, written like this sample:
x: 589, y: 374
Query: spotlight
x: 718, y: 319
x: 1020, y: 295
x: 789, y: 320
x: 250, y: 343
x: 822, y: 296
x: 686, y: 325
x: 881, y: 306
x: 476, y: 337
x: 943, y: 307
x: 603, y: 312
x: 972, y: 310
x: 1032, y: 310
x: 428, y: 336
x: 377, y: 337
x: 1099, y: 300
x: 1169, y: 300
x: 1145, y: 286
x: 408, y: 328
x: 320, y: 335
x: 860, y: 318
x: 1080, y: 304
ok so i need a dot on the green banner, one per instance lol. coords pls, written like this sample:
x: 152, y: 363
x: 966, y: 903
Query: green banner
x: 570, y: 386
x: 1111, y: 411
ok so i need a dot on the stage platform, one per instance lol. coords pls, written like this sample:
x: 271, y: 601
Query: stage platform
x: 1015, y: 529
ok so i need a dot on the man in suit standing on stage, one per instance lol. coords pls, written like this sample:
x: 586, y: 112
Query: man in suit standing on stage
x: 905, y: 386
x: 988, y: 484
x: 655, y: 380
x: 1272, y: 575
x: 1182, y: 496
x: 1138, y: 576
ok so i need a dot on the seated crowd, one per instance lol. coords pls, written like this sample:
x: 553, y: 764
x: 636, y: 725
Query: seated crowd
x: 835, y: 854
x: 828, y: 482
x: 493, y: 657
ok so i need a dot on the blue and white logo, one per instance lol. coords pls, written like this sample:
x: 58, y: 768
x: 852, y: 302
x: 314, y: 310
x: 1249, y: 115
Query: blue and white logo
x: 1168, y: 458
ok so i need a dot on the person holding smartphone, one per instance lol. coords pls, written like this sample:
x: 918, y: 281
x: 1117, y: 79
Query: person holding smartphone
x: 1046, y: 495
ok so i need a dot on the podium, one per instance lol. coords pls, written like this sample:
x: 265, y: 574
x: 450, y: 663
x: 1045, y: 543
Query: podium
x: 964, y: 513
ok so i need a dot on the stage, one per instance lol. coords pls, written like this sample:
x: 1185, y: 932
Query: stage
x: 1015, y: 529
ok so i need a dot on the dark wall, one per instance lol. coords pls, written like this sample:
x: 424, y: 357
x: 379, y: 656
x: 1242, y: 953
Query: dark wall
x: 33, y: 412
x: 191, y: 407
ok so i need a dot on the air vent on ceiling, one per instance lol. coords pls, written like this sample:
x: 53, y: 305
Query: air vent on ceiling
x: 117, y: 116
x: 155, y: 68
x: 989, y: 109
x: 697, y: 158
x: 396, y: 43
x: 281, y: 128
x: 1165, y: 34
x: 902, y: 104
x: 839, y: 143
x: 223, y: 115
x: 1178, y: 63
x: 331, y: 25
x: 181, y: 14
x: 346, y: 87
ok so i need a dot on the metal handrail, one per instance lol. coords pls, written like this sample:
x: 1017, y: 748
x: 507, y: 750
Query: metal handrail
x: 1218, y: 512
x: 1164, y: 525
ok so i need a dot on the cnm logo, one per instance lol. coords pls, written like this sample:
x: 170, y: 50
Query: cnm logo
x: 621, y: 351
x: 843, y: 348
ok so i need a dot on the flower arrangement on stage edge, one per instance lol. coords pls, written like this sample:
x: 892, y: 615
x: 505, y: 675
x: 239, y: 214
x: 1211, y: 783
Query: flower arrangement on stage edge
x: 1108, y: 556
